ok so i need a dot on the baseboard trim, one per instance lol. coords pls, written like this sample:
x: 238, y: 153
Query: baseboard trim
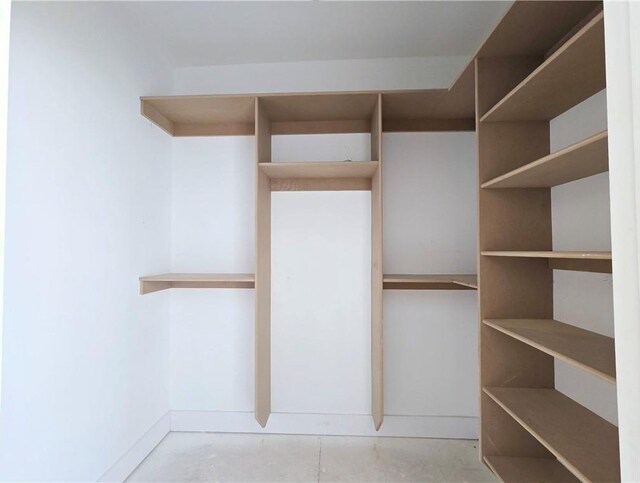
x: 128, y: 462
x: 452, y: 427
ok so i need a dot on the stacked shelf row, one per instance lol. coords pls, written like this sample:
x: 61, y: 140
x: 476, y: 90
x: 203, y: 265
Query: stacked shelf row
x: 529, y: 430
x: 155, y: 283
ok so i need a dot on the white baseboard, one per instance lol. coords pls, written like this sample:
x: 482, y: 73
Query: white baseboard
x: 139, y: 451
x: 327, y: 424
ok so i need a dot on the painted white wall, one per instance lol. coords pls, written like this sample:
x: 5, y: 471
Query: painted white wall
x: 85, y: 357
x: 318, y: 76
x: 622, y: 37
x: 581, y: 221
x: 5, y: 16
x: 321, y: 252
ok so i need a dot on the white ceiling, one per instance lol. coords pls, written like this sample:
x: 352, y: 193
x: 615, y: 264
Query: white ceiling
x: 209, y: 33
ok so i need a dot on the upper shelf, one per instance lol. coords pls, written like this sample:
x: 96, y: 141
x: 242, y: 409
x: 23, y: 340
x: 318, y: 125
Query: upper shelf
x: 570, y: 75
x: 586, y: 158
x: 154, y: 283
x: 317, y: 113
x: 430, y: 282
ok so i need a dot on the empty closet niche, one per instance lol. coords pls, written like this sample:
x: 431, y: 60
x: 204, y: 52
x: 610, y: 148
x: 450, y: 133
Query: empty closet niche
x: 430, y: 336
x: 211, y: 350
x: 321, y: 290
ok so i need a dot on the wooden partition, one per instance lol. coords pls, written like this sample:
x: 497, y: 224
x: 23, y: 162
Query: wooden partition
x: 263, y: 270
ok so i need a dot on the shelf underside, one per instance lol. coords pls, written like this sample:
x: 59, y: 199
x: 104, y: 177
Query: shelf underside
x: 430, y: 282
x: 580, y: 160
x: 570, y: 75
x: 592, y: 352
x: 316, y: 113
x: 599, y: 262
x: 583, y: 442
x: 512, y: 469
x: 320, y: 176
x: 154, y: 283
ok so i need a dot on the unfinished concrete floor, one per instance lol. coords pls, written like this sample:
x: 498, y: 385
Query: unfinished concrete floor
x: 269, y: 458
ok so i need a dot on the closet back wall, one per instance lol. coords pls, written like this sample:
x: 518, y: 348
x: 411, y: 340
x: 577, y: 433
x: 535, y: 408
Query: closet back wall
x: 321, y: 289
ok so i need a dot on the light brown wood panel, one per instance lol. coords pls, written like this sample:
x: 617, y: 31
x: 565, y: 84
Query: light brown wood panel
x: 342, y: 106
x: 321, y: 127
x: 592, y: 352
x: 550, y: 254
x: 154, y: 115
x: 321, y: 184
x: 430, y: 282
x: 209, y: 109
x: 533, y: 27
x: 580, y: 160
x: 340, y: 169
x: 510, y: 288
x: 572, y: 74
x: 377, y: 366
x: 511, y: 469
x: 263, y: 270
x: 153, y: 283
x: 220, y: 129
x: 583, y: 442
x: 578, y: 265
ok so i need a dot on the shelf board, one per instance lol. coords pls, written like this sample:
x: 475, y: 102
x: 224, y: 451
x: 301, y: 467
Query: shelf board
x: 512, y: 469
x: 570, y: 75
x: 592, y: 352
x: 430, y: 282
x: 583, y: 159
x: 583, y: 442
x: 599, y: 262
x: 318, y: 170
x: 216, y: 115
x: 154, y: 283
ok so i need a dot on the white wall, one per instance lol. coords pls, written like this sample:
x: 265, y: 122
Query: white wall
x: 321, y: 287
x: 581, y: 221
x: 85, y: 357
x: 319, y: 76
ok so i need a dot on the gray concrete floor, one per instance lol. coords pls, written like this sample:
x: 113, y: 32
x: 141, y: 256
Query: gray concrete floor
x: 269, y: 458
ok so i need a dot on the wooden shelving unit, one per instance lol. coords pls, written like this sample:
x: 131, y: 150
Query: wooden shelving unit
x: 155, y: 283
x: 592, y: 352
x: 542, y: 59
x: 430, y: 282
x: 580, y: 160
x: 586, y: 444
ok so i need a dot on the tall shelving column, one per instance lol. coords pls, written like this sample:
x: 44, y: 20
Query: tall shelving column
x: 263, y: 270
x: 377, y: 371
x: 510, y: 288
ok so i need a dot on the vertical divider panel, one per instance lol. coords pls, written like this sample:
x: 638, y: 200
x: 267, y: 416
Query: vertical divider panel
x: 377, y: 379
x: 263, y: 270
x: 513, y: 219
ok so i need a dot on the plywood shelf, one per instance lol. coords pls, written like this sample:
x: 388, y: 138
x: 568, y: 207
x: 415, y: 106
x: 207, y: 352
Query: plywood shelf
x: 583, y: 442
x: 340, y: 169
x: 430, y: 282
x: 316, y: 113
x: 592, y: 352
x: 583, y: 159
x: 512, y: 469
x: 154, y: 283
x: 599, y: 262
x: 570, y: 75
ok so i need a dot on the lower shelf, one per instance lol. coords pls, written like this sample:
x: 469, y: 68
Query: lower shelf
x: 511, y: 469
x: 583, y: 442
x: 599, y: 262
x: 430, y: 282
x: 154, y: 283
